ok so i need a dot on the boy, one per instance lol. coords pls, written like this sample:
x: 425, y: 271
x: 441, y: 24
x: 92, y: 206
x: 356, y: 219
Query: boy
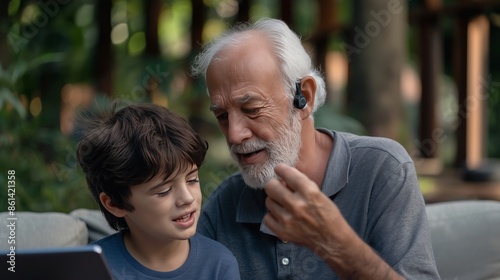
x: 141, y: 165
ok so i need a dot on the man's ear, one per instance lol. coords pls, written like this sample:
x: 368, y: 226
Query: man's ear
x: 110, y: 206
x: 308, y: 87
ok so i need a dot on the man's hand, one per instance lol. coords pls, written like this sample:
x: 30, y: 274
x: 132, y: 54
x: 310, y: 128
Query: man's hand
x: 299, y: 212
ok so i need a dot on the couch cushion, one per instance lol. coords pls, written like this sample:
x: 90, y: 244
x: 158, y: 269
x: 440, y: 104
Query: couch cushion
x: 41, y: 230
x: 466, y: 238
x: 97, y: 225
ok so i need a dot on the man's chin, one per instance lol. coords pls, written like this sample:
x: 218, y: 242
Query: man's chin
x: 252, y: 181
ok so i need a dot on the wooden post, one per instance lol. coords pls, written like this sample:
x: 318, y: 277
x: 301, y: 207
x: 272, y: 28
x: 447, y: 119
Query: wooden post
x: 477, y: 59
x: 430, y: 58
x: 471, y: 35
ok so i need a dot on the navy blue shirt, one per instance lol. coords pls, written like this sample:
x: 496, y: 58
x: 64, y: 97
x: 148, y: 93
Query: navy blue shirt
x: 207, y: 260
x: 371, y: 180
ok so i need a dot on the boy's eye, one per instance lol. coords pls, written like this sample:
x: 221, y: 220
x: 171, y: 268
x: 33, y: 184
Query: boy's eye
x: 164, y: 193
x: 193, y: 181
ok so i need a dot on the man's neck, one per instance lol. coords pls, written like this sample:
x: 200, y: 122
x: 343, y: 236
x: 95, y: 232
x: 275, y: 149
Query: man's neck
x: 314, y: 153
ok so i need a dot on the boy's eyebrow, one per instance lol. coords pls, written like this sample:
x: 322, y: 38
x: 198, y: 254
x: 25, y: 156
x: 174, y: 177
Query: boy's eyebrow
x: 193, y: 171
x: 169, y: 180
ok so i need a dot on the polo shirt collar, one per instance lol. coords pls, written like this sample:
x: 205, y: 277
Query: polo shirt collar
x: 251, y: 207
x: 337, y: 171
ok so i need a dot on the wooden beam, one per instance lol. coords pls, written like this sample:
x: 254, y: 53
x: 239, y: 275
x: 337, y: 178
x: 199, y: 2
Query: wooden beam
x: 455, y: 9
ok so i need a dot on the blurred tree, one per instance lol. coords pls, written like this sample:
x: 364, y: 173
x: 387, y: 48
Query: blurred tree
x: 377, y: 53
x: 46, y: 45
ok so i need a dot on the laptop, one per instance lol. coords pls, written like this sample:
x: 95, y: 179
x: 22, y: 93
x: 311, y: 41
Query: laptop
x: 75, y: 263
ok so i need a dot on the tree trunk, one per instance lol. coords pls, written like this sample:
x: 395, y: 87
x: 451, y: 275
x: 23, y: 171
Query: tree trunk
x: 104, y: 61
x: 327, y: 24
x: 376, y: 51
x: 152, y: 15
x: 243, y: 10
x: 197, y: 22
x: 286, y: 12
x: 197, y: 105
x: 4, y: 24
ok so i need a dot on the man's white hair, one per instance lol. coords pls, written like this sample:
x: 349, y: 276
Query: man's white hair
x: 294, y: 62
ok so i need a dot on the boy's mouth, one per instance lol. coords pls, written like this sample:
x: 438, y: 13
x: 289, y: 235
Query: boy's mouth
x: 186, y: 220
x: 183, y: 218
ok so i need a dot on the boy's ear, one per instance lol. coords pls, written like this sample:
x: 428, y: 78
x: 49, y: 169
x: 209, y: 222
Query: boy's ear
x: 110, y: 206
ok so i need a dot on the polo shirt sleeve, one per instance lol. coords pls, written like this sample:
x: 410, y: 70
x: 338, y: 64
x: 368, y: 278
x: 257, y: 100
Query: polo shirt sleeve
x: 397, y: 224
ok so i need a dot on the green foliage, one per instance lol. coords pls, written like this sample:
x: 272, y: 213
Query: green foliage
x: 328, y: 117
x: 47, y: 178
x: 11, y: 81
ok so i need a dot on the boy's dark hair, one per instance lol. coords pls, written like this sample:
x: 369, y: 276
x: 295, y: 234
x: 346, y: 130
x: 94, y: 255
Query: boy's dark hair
x: 131, y: 147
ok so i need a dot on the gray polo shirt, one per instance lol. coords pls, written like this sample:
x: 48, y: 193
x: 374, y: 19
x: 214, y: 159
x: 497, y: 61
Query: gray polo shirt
x: 374, y: 184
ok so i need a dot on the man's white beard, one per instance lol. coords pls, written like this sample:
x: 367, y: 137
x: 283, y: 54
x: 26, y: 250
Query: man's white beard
x: 285, y: 149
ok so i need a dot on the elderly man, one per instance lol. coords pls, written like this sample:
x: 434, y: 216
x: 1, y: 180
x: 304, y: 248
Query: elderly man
x: 309, y: 203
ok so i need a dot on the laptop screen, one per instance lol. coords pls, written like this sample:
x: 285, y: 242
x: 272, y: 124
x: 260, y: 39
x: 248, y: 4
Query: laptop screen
x: 75, y: 263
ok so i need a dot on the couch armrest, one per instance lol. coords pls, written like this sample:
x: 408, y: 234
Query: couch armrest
x: 466, y: 238
x: 41, y: 230
x: 97, y: 225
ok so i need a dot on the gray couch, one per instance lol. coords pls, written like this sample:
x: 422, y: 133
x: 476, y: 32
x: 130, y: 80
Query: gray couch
x: 465, y: 235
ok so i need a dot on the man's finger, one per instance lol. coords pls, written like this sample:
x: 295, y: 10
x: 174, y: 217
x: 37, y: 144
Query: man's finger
x: 277, y: 191
x: 293, y: 178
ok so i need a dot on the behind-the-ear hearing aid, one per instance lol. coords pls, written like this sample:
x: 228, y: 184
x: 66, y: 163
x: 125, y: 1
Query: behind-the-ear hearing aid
x: 299, y: 101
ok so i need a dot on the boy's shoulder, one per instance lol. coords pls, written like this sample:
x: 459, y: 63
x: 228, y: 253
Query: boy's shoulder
x: 108, y: 240
x: 209, y: 247
x: 212, y: 259
x: 206, y: 244
x: 112, y: 245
